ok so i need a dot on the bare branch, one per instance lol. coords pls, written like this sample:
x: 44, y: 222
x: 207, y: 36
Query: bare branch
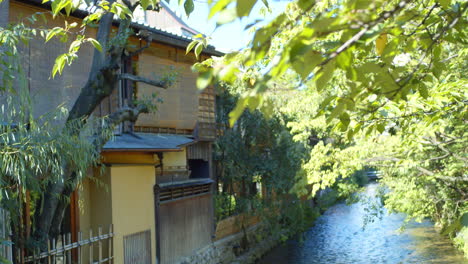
x: 161, y: 83
x: 148, y: 39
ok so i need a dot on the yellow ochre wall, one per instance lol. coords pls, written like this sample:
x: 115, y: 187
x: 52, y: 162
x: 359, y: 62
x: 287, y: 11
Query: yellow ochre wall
x: 178, y: 158
x: 133, y: 200
x: 95, y: 206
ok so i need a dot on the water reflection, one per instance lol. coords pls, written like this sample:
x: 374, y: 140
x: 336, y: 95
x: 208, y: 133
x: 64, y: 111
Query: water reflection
x: 338, y: 237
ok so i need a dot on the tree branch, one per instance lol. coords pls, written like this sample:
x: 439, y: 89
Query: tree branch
x: 161, y: 83
x: 367, y: 27
x: 148, y: 39
x: 127, y: 114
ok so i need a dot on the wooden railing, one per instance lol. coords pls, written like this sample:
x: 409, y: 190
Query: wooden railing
x: 95, y: 249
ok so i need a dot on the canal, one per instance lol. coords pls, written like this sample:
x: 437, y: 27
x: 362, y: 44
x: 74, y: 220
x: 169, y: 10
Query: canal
x: 338, y: 237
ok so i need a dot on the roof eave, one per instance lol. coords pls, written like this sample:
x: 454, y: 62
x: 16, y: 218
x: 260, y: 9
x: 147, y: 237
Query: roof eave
x: 158, y: 35
x: 151, y: 150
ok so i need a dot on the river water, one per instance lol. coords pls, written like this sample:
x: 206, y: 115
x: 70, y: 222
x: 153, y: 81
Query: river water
x: 338, y: 237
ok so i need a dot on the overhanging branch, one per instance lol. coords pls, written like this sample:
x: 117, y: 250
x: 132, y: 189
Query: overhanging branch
x: 160, y: 83
x: 123, y: 114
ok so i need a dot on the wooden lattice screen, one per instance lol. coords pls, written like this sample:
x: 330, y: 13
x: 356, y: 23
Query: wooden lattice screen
x: 185, y: 221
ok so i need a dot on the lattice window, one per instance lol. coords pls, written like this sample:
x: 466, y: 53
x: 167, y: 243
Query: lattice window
x: 137, y: 248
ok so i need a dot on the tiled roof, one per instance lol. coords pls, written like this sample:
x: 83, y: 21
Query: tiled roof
x: 147, y: 142
x: 167, y: 37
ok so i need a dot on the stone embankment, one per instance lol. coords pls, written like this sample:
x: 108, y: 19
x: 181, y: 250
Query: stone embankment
x: 232, y: 249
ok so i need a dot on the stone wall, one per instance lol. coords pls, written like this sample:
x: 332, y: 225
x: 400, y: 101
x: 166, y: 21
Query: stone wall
x: 236, y: 248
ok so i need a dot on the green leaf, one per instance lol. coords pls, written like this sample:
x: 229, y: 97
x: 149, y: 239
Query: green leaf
x: 326, y: 102
x: 220, y: 5
x: 237, y: 112
x: 445, y: 3
x: 464, y: 219
x: 204, y: 79
x: 96, y: 44
x: 53, y: 32
x: 59, y: 64
x: 305, y: 4
x: 253, y: 102
x: 244, y: 7
x: 423, y: 91
x: 190, y: 46
x: 198, y: 49
x: 340, y: 107
x: 345, y: 120
x: 74, y: 46
x: 381, y: 127
x: 144, y: 4
x: 324, y: 75
x: 345, y: 59
x: 304, y: 59
x: 226, y: 16
x: 381, y: 43
x: 188, y: 7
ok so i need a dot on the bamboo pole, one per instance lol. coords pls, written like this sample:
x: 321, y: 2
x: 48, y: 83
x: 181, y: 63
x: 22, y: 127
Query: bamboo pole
x: 64, y: 256
x: 100, y: 243
x: 80, y: 237
x: 69, y: 252
x: 90, y: 246
x: 110, y: 244
x: 54, y: 259
x: 49, y: 257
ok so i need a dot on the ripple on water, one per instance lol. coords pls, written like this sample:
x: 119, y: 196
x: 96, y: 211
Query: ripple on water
x: 338, y: 237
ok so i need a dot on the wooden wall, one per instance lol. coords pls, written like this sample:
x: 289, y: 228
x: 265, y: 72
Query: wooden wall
x: 38, y: 59
x: 200, y: 150
x: 185, y: 225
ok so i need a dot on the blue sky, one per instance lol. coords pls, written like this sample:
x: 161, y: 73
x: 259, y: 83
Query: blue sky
x: 228, y: 37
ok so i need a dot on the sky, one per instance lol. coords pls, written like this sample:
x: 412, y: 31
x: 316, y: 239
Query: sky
x: 229, y: 37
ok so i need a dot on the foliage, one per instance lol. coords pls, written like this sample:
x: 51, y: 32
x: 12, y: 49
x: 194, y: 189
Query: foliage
x: 461, y: 240
x: 333, y: 44
x: 257, y: 161
x: 268, y: 162
x: 34, y: 152
x: 390, y: 92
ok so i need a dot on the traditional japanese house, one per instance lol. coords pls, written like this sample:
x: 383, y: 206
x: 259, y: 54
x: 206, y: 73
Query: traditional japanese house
x: 155, y: 188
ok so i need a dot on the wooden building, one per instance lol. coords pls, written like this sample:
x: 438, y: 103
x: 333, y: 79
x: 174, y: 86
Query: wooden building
x: 156, y: 186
